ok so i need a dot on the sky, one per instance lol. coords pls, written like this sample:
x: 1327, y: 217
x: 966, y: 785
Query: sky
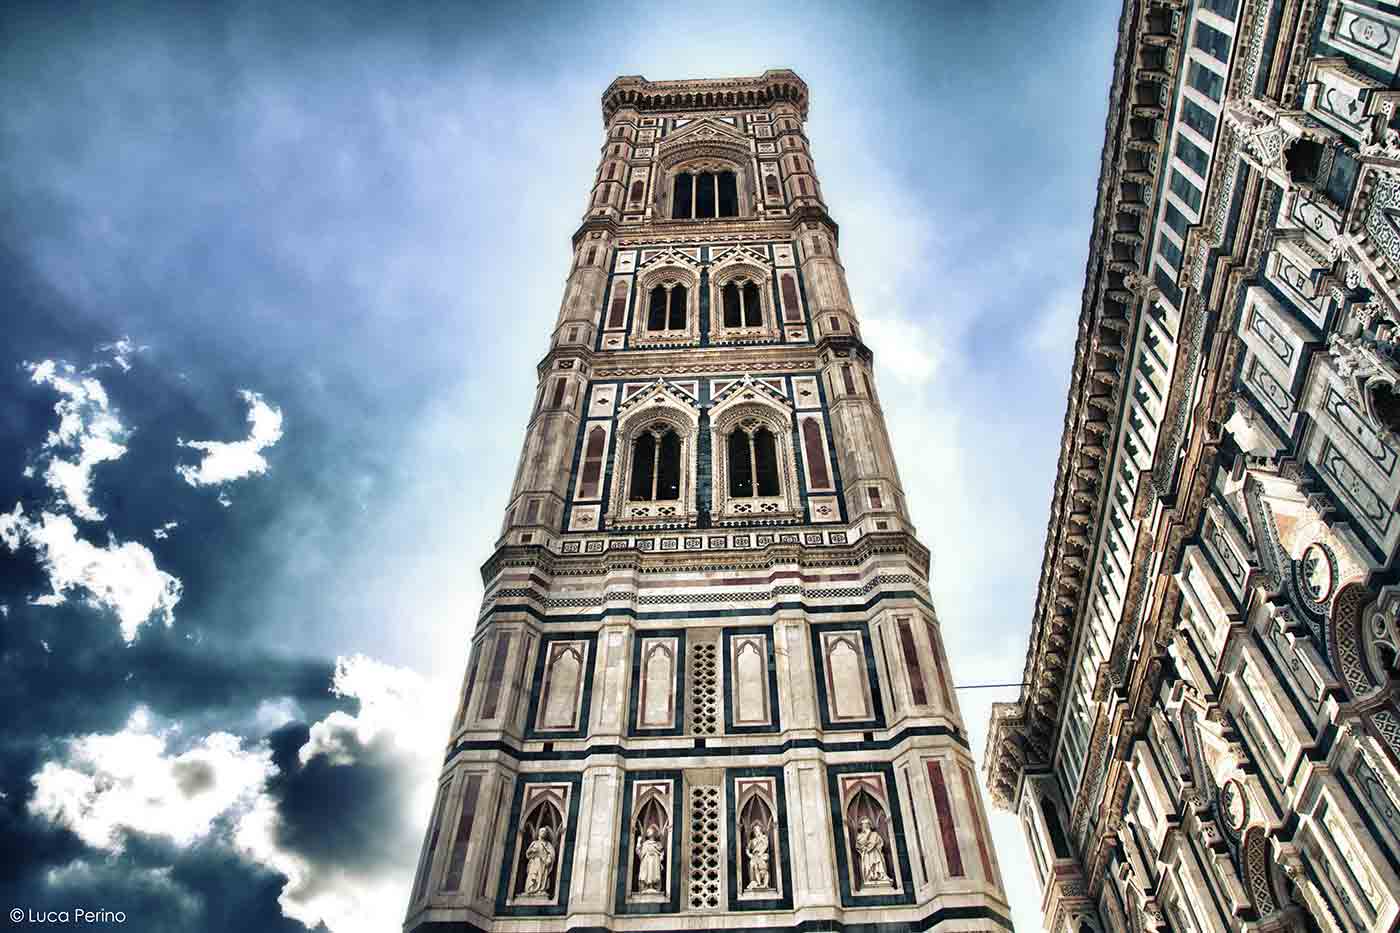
x: 275, y: 279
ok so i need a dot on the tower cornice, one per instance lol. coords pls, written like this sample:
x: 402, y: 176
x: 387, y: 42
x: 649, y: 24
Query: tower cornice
x: 727, y: 230
x: 773, y: 86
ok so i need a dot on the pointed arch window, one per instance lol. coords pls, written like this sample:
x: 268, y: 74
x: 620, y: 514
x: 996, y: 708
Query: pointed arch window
x: 743, y: 306
x: 770, y: 186
x: 656, y: 465
x: 706, y: 194
x: 753, y: 461
x: 666, y: 307
x: 816, y: 454
x: 592, y: 463
x: 637, y: 189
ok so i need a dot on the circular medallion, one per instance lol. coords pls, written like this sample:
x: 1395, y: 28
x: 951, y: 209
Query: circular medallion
x: 1317, y: 573
x: 1233, y: 806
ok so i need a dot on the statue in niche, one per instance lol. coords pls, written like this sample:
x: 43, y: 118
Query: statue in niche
x: 651, y: 853
x: 539, y: 864
x: 871, y: 848
x: 757, y: 851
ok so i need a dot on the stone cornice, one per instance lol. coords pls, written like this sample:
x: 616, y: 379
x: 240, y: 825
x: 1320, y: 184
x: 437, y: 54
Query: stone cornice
x: 772, y: 87
x: 1130, y: 178
x: 863, y: 549
x: 720, y: 230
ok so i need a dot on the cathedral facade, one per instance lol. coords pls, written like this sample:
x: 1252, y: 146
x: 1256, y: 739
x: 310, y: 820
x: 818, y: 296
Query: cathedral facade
x: 707, y: 686
x: 1208, y: 737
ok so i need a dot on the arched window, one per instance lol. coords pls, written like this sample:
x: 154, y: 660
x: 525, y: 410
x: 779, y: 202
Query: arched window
x: 805, y: 188
x: 612, y: 170
x: 753, y: 462
x: 618, y: 312
x: 792, y: 307
x: 698, y: 195
x: 592, y: 463
x: 666, y: 308
x: 1052, y: 825
x: 847, y: 380
x: 816, y: 453
x: 637, y: 188
x: 770, y: 185
x: 656, y: 465
x: 742, y: 305
x: 558, y: 399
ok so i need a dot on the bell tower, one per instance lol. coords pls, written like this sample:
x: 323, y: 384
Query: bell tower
x: 707, y: 685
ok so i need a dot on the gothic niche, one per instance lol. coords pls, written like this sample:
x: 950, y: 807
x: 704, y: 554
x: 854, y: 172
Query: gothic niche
x: 760, y: 846
x: 867, y: 827
x: 650, y: 829
x: 540, y: 840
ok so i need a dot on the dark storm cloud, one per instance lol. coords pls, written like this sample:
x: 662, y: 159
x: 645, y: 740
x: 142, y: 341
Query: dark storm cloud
x: 316, y: 801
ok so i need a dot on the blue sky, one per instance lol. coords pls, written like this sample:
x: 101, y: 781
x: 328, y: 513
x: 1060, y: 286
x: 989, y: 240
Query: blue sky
x: 330, y: 241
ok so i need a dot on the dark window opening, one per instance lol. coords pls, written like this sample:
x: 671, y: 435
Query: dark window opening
x: 770, y: 185
x: 1206, y: 81
x: 656, y: 466
x: 740, y: 466
x: 753, y: 463
x: 705, y: 195
x: 743, y: 305
x: 1198, y: 118
x: 847, y: 379
x: 728, y: 195
x: 656, y: 312
x: 1303, y: 160
x: 636, y: 191
x: 677, y: 316
x: 682, y: 202
x: 558, y: 398
x: 753, y: 308
x: 733, y: 314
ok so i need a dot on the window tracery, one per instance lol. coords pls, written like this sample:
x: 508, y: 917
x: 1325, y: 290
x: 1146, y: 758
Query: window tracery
x: 755, y: 474
x: 653, y: 480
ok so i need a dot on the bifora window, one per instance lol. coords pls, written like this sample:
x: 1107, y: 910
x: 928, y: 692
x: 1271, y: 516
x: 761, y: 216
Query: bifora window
x: 656, y: 465
x: 666, y: 310
x: 743, y: 306
x: 753, y: 461
x: 705, y: 194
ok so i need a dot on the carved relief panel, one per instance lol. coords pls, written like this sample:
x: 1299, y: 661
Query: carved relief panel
x: 563, y: 683
x: 848, y: 693
x: 658, y: 663
x: 750, y: 681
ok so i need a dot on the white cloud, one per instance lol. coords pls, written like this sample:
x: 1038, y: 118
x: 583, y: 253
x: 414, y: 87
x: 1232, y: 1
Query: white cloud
x: 224, y: 461
x: 150, y: 884
x: 121, y: 350
x: 164, y: 530
x: 87, y: 427
x: 107, y: 786
x: 904, y: 350
x: 121, y: 577
x: 391, y: 701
